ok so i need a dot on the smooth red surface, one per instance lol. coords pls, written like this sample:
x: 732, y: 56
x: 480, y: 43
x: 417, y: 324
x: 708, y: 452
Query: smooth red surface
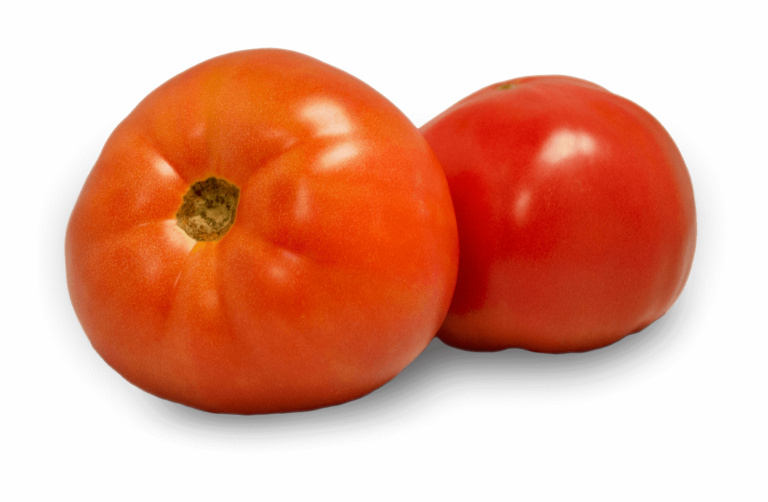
x: 336, y: 274
x: 576, y: 216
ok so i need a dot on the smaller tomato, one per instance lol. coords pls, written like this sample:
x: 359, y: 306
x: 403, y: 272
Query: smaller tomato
x: 576, y: 216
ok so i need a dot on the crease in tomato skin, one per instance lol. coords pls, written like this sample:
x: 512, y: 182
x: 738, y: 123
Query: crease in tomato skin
x: 294, y: 205
x: 329, y: 271
x: 210, y: 157
x: 210, y: 334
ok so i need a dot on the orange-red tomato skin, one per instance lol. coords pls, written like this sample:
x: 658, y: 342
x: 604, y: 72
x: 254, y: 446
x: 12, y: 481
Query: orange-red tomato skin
x: 576, y: 216
x: 336, y: 274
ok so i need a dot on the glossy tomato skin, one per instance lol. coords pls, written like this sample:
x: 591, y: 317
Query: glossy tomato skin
x: 337, y: 271
x: 576, y: 216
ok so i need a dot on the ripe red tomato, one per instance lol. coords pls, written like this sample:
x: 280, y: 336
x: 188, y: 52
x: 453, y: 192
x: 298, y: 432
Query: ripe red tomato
x: 576, y: 217
x: 263, y: 233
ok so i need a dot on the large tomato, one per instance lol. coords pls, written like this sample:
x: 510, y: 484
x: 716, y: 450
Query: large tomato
x: 576, y: 217
x: 263, y: 233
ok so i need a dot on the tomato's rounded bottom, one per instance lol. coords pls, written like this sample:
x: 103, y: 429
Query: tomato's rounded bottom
x: 259, y: 394
x: 545, y: 344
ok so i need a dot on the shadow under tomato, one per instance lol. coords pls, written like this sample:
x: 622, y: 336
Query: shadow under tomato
x: 442, y: 371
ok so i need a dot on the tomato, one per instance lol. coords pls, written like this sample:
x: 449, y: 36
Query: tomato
x: 576, y: 216
x: 263, y: 233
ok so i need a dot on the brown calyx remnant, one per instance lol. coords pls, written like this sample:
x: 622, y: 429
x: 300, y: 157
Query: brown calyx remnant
x: 507, y: 85
x: 208, y: 210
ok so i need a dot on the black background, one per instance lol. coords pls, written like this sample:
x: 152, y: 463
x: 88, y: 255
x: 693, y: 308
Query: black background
x: 666, y: 382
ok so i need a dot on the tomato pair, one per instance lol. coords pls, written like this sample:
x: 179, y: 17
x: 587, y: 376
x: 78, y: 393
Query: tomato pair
x: 266, y: 233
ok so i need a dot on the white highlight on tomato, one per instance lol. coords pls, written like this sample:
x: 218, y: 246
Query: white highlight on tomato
x: 157, y: 165
x: 326, y: 118
x: 285, y: 266
x: 335, y: 157
x: 177, y: 236
x: 329, y: 119
x: 564, y: 143
x: 520, y: 209
x: 164, y: 169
